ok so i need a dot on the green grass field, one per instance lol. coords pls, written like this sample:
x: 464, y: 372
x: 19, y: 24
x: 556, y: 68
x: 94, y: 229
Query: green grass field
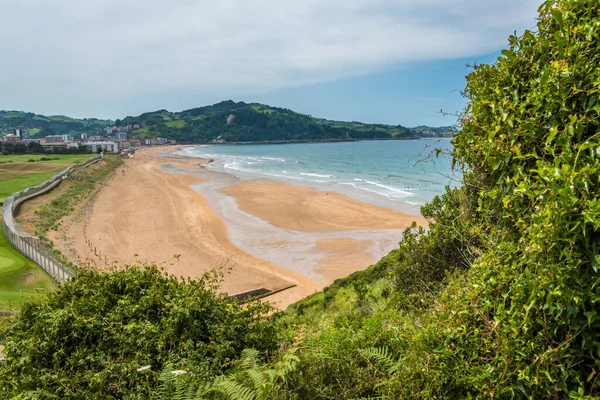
x: 20, y: 279
x: 56, y: 158
x: 20, y: 182
x: 15, y: 176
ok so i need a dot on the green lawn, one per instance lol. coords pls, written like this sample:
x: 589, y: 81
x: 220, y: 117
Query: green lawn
x: 61, y: 158
x: 20, y: 279
x: 10, y: 186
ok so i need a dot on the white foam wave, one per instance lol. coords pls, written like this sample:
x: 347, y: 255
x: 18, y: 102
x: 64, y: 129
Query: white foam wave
x: 316, y: 175
x: 393, y: 189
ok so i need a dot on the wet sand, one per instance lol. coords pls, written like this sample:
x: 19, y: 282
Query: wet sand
x: 175, y: 211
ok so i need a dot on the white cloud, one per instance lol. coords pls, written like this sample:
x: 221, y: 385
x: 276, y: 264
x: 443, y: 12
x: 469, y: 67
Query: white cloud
x: 106, y: 50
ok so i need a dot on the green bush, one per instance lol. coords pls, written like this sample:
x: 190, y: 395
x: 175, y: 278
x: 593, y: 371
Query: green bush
x: 498, y: 299
x: 88, y: 339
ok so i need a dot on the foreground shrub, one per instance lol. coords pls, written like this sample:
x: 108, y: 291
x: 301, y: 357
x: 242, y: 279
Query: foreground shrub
x: 499, y: 299
x: 88, y: 339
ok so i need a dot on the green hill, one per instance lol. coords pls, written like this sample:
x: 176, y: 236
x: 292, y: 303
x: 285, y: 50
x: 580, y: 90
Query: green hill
x: 42, y: 125
x: 252, y: 122
x: 234, y: 122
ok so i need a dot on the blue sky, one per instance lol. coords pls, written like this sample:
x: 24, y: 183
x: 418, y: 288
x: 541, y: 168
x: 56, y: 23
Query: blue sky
x: 410, y: 95
x: 387, y: 61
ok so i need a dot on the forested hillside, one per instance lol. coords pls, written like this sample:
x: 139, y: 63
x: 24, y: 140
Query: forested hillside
x: 41, y: 125
x: 497, y: 299
x: 242, y: 122
x: 231, y: 121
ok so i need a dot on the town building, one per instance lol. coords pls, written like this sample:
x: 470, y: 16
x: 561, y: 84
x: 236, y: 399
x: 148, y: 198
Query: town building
x: 12, y: 138
x: 22, y: 133
x: 108, y: 147
x: 67, y: 138
x: 27, y: 141
x: 54, y: 139
x: 122, y: 135
x: 54, y: 145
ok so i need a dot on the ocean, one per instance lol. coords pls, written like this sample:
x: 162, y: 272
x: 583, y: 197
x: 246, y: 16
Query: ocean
x: 402, y: 171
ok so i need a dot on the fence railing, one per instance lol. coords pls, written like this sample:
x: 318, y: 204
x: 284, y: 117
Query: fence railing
x: 31, y: 247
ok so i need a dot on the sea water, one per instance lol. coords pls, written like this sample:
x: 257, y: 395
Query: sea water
x: 403, y: 171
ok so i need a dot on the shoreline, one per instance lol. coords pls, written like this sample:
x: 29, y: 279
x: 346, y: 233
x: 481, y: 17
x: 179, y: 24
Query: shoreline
x: 217, y: 164
x: 313, y: 141
x: 311, y: 252
x: 168, y: 208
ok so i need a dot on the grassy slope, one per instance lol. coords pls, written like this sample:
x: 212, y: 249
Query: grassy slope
x: 175, y: 124
x: 20, y: 278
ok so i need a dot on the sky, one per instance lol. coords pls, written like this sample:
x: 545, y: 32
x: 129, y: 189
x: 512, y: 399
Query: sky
x: 378, y: 61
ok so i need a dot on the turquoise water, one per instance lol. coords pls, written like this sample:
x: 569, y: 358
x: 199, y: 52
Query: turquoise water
x: 401, y: 170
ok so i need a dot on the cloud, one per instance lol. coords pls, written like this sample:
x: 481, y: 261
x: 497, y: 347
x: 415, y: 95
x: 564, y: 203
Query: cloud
x: 96, y: 51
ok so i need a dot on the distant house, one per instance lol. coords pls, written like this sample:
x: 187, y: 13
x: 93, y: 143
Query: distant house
x: 122, y: 135
x: 22, y: 133
x: 154, y: 142
x: 136, y: 126
x: 166, y: 118
x: 108, y: 147
x: 54, y: 145
x: 54, y: 139
x: 27, y: 141
x: 108, y: 130
x: 12, y: 138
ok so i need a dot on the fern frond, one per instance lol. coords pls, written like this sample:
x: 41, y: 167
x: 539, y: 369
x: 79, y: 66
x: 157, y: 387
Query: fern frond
x: 382, y: 356
x: 234, y: 391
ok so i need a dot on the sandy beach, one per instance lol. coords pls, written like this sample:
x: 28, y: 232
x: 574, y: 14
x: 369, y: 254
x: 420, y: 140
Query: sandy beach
x: 176, y: 212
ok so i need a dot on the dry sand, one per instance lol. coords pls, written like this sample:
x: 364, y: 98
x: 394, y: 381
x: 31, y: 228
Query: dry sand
x: 307, y: 209
x: 151, y: 214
